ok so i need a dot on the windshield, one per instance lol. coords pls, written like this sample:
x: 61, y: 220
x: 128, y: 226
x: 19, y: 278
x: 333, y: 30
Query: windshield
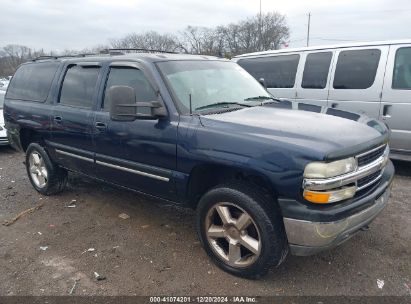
x: 1, y: 99
x: 210, y: 84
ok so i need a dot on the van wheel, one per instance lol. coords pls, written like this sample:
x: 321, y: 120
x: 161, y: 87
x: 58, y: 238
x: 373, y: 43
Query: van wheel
x: 241, y: 229
x: 45, y: 176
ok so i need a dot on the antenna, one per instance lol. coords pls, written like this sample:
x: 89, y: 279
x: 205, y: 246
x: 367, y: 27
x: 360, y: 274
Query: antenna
x: 191, y: 106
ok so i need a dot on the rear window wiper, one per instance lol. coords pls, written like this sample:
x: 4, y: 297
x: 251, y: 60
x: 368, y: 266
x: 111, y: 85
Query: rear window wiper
x: 222, y: 105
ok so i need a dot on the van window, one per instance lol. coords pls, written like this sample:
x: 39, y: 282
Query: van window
x: 133, y: 78
x: 277, y: 71
x: 32, y: 81
x: 78, y: 86
x: 316, y: 70
x: 402, y: 69
x: 356, y: 69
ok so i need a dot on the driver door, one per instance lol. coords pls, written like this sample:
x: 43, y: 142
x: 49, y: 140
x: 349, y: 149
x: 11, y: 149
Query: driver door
x: 139, y: 154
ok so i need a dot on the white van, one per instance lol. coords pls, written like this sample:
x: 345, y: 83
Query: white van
x: 372, y: 78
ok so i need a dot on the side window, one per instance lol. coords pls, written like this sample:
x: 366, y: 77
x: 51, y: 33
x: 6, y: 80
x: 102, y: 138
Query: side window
x: 401, y: 79
x: 133, y: 78
x: 32, y: 81
x: 78, y: 86
x: 356, y: 69
x: 277, y: 71
x: 316, y: 70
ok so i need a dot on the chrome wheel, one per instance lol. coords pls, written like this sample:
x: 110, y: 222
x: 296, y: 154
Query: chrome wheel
x: 233, y: 235
x: 38, y: 170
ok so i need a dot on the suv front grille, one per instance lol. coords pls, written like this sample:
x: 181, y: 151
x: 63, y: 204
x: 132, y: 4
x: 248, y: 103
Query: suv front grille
x: 369, y: 157
x: 368, y: 180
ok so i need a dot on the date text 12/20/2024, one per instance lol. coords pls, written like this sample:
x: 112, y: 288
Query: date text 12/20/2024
x: 207, y: 299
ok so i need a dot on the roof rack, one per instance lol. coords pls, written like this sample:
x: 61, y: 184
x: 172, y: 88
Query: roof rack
x: 44, y: 57
x: 119, y: 51
x: 112, y: 52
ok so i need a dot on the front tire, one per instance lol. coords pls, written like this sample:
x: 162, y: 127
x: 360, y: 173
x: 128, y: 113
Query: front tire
x: 241, y: 229
x: 45, y: 176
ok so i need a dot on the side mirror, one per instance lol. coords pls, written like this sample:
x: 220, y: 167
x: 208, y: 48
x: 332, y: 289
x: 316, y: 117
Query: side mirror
x: 123, y: 105
x: 262, y: 82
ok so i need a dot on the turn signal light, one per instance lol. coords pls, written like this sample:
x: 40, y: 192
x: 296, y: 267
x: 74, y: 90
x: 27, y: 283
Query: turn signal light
x: 332, y: 196
x: 316, y: 197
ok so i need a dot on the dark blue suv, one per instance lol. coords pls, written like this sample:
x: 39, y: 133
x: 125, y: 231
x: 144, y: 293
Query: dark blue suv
x: 265, y: 176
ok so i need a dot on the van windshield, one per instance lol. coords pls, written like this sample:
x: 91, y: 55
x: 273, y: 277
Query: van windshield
x: 211, y: 84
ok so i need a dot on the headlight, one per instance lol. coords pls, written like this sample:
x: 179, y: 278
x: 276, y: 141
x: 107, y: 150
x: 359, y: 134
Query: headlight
x: 325, y: 197
x: 326, y: 170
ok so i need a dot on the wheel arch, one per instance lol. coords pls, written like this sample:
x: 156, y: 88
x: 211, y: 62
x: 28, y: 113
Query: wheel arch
x: 28, y: 136
x: 203, y: 177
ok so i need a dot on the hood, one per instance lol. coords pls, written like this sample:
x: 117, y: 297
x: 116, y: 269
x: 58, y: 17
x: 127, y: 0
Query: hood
x: 333, y: 135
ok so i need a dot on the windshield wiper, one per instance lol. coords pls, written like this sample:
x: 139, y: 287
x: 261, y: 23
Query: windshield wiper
x: 259, y: 98
x: 222, y: 104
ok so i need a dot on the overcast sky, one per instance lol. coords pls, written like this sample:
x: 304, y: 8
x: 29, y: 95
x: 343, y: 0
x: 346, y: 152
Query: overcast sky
x: 76, y: 24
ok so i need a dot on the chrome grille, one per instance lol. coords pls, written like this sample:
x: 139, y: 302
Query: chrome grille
x: 370, y: 156
x: 368, y: 180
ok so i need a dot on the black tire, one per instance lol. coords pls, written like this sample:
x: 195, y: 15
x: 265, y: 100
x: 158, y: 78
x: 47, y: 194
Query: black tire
x: 265, y: 215
x: 56, y: 177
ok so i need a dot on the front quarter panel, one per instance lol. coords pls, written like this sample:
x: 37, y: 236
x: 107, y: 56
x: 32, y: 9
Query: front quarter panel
x: 281, y: 165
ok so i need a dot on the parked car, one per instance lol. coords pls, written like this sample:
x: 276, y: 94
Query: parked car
x: 3, y: 132
x: 201, y: 131
x: 4, y: 84
x: 372, y: 78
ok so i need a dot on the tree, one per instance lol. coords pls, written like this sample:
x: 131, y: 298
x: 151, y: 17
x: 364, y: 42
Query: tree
x: 250, y: 35
x: 148, y: 40
x: 12, y: 55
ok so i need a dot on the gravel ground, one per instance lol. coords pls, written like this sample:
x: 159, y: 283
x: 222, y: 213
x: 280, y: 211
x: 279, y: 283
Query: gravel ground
x: 156, y: 250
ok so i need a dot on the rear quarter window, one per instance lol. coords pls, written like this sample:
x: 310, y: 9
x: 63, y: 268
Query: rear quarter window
x: 32, y: 81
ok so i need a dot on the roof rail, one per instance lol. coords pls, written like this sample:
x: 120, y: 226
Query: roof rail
x: 119, y: 51
x: 44, y: 57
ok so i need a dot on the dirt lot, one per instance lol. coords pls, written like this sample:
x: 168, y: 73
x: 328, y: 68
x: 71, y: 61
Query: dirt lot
x: 156, y: 251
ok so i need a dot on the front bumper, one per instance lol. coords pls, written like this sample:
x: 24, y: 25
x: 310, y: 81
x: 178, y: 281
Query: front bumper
x: 306, y: 237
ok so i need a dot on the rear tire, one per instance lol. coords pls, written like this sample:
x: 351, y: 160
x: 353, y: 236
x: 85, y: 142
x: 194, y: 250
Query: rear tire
x: 45, y: 176
x: 241, y: 229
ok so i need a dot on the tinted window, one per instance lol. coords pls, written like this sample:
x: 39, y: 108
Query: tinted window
x: 316, y: 70
x: 133, y: 78
x: 32, y: 81
x: 278, y: 71
x: 402, y: 69
x: 356, y: 69
x: 78, y: 86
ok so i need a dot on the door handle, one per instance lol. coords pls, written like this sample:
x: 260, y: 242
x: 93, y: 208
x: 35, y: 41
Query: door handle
x: 386, y: 111
x: 334, y: 105
x: 101, y: 126
x: 58, y: 118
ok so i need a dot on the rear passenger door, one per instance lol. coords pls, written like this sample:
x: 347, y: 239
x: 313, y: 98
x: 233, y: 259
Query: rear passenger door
x: 357, y: 80
x: 73, y: 116
x: 396, y: 98
x: 313, y: 81
x: 279, y: 73
x: 139, y: 154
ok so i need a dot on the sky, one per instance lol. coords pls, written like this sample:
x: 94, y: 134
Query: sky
x: 77, y: 24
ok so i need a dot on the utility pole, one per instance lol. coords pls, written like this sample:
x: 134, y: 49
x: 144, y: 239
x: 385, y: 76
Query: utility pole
x: 260, y: 28
x: 308, y: 29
